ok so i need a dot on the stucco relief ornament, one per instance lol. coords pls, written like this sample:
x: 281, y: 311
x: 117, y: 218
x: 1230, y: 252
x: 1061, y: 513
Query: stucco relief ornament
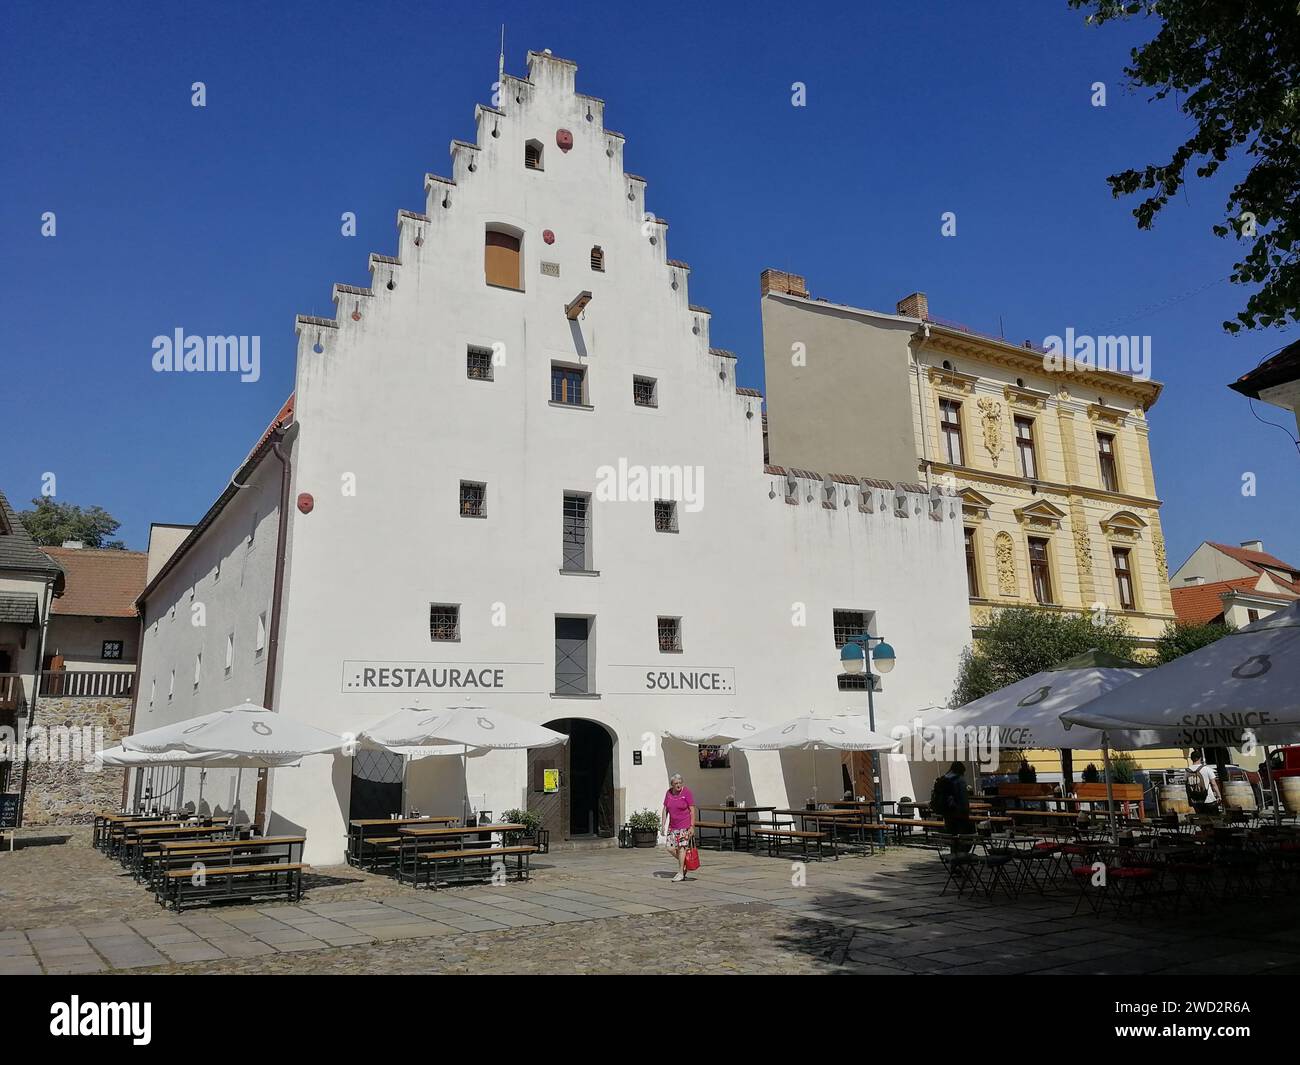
x: 991, y: 417
x: 1006, y: 564
x: 1158, y: 543
x: 1083, y: 549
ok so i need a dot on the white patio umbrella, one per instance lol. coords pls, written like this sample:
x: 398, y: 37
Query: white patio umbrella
x: 251, y: 735
x: 469, y: 730
x: 847, y: 732
x: 121, y: 758
x: 1244, y: 687
x: 725, y: 729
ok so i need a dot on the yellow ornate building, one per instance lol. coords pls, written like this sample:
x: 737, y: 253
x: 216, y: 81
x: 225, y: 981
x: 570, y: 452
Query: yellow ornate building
x: 1053, y: 466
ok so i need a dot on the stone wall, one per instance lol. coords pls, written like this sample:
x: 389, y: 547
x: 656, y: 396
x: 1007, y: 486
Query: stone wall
x: 61, y: 791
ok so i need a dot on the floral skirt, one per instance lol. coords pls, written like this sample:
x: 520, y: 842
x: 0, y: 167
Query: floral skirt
x: 679, y: 837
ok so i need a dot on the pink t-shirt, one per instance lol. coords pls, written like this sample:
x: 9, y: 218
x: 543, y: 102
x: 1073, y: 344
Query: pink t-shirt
x: 679, y: 808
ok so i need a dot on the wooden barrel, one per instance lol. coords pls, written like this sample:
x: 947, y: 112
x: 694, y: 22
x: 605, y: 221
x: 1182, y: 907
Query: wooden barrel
x: 1173, y: 800
x: 1288, y: 790
x: 1239, y: 795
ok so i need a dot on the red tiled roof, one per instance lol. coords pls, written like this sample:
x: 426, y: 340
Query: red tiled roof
x: 1258, y: 559
x: 1204, y: 602
x: 101, y: 583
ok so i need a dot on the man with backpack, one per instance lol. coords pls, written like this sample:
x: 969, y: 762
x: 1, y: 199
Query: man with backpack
x: 1202, y: 786
x: 949, y: 799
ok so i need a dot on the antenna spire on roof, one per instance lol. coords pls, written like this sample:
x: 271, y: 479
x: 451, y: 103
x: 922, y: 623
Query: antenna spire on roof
x: 501, y: 58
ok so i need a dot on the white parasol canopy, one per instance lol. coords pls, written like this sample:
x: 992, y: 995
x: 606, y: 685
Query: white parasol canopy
x: 121, y: 758
x: 464, y: 726
x: 718, y: 730
x: 847, y: 732
x: 243, y: 731
x: 1246, y: 682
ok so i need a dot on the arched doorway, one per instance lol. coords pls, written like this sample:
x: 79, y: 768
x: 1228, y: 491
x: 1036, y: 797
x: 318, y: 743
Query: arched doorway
x: 580, y: 803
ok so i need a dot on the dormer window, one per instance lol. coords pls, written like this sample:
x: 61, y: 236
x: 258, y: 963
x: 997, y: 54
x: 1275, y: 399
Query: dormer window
x: 533, y: 155
x: 598, y: 259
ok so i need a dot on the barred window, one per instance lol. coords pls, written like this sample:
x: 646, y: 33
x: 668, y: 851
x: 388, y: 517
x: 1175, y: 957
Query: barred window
x: 577, y: 548
x: 857, y: 682
x: 598, y: 259
x: 533, y: 155
x: 112, y: 649
x: 665, y: 515
x: 473, y: 499
x: 645, y: 392
x: 478, y: 364
x: 847, y: 623
x: 444, y: 621
x: 670, y: 635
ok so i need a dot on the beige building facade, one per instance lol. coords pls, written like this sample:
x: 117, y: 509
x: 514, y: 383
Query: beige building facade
x: 1053, y: 466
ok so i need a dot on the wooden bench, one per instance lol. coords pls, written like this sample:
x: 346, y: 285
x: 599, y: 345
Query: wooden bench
x: 470, y: 862
x: 725, y: 830
x: 214, y: 854
x: 365, y: 850
x: 216, y: 883
x: 775, y: 836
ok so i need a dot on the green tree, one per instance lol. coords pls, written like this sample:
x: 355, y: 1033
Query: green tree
x: 1019, y: 642
x: 1181, y: 637
x: 1234, y: 68
x: 50, y: 523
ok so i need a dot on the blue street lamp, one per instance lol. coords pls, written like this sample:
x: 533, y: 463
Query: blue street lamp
x: 856, y: 655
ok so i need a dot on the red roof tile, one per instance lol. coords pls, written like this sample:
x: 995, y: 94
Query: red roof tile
x: 1256, y: 560
x: 101, y: 583
x: 1204, y: 602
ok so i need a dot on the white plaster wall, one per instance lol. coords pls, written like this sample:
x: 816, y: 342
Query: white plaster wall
x: 230, y: 603
x: 387, y: 406
x: 81, y: 641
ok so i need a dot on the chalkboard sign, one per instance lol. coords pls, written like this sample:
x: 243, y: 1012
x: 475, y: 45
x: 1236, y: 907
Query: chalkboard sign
x: 8, y: 811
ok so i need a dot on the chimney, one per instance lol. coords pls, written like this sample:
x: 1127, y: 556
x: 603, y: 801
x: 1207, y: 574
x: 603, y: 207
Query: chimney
x: 1253, y: 545
x: 76, y: 545
x: 914, y: 306
x: 1193, y: 580
x: 779, y: 281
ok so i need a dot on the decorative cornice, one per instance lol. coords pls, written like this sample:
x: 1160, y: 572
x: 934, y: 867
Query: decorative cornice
x: 1031, y: 398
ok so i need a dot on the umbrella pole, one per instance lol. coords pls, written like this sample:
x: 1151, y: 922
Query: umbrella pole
x: 239, y: 782
x: 1110, y: 790
x: 1272, y: 782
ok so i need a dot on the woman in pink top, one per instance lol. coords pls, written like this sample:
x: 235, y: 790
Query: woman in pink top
x: 679, y: 822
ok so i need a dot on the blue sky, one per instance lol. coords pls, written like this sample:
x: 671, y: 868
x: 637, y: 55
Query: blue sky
x: 226, y: 219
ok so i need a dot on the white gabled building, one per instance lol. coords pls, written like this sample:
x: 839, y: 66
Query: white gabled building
x: 461, y: 504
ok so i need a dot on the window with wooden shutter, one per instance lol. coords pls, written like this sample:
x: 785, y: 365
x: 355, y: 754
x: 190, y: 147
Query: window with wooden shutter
x: 598, y: 259
x: 501, y: 260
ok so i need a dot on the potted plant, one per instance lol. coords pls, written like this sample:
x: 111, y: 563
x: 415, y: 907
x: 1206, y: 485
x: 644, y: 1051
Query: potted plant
x: 1090, y: 774
x: 645, y: 828
x: 1027, y: 773
x: 532, y: 822
x: 1123, y: 769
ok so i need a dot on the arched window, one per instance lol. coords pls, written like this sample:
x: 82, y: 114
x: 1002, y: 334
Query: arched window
x: 533, y: 155
x: 598, y: 259
x: 501, y: 266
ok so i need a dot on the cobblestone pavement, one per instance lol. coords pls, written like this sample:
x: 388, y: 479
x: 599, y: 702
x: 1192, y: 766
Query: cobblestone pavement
x: 66, y: 908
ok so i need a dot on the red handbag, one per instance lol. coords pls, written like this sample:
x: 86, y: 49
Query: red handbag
x: 693, y: 858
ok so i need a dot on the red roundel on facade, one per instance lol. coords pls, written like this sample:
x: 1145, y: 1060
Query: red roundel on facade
x: 548, y: 236
x: 563, y: 139
x: 305, y: 502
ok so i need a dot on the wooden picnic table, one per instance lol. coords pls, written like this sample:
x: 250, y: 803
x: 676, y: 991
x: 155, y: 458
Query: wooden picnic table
x: 358, y: 834
x: 411, y: 837
x: 429, y: 819
x: 206, y: 850
x: 742, y: 818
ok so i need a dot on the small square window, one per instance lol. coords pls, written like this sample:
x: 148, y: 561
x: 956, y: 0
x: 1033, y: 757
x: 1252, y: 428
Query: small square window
x: 478, y: 364
x: 473, y: 499
x: 112, y: 650
x: 645, y: 391
x: 670, y: 635
x: 568, y: 385
x: 444, y: 621
x: 665, y: 515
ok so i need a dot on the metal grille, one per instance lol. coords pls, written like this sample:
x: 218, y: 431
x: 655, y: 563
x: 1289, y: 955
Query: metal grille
x: 444, y: 621
x: 571, y: 656
x: 665, y: 515
x: 670, y: 635
x: 644, y: 392
x: 598, y: 259
x: 478, y: 364
x: 473, y: 502
x: 857, y: 682
x: 532, y: 156
x: 848, y: 623
x: 575, y: 532
x: 112, y: 649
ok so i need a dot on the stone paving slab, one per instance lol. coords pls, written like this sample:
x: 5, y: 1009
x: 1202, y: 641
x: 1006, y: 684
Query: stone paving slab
x: 617, y: 911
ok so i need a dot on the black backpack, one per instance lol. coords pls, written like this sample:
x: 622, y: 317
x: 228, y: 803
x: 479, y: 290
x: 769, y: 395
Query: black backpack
x: 941, y: 796
x: 1196, y: 789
